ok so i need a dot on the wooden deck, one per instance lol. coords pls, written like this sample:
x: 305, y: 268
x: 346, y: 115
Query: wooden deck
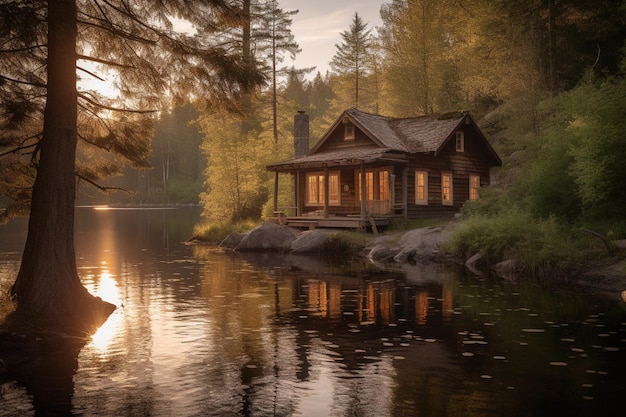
x: 341, y: 222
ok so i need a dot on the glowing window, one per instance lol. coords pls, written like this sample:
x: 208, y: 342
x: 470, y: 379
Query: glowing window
x: 376, y: 185
x: 315, y: 188
x: 446, y: 188
x: 421, y: 187
x: 474, y: 185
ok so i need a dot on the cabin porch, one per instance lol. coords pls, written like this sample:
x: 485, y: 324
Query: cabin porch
x: 313, y: 221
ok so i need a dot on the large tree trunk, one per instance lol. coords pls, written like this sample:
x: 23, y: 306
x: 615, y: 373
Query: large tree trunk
x: 48, y: 290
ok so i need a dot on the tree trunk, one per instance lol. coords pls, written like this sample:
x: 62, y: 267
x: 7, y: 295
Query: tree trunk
x: 48, y: 290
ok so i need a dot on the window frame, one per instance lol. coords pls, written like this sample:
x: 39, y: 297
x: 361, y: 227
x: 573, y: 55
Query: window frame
x: 349, y: 131
x: 450, y: 199
x: 424, y: 200
x: 459, y: 141
x: 373, y: 180
x: 474, y: 187
x: 319, y: 189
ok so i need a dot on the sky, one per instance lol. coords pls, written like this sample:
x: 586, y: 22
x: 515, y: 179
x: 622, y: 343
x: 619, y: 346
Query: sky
x: 319, y: 23
x: 316, y: 27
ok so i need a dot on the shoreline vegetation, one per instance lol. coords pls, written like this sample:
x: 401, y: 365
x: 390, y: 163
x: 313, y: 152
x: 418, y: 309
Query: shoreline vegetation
x: 512, y: 245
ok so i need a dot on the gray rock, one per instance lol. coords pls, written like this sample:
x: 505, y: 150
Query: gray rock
x: 310, y: 241
x: 232, y: 240
x: 473, y: 263
x: 421, y: 244
x: 381, y: 253
x: 404, y: 256
x: 267, y: 237
x: 506, y: 269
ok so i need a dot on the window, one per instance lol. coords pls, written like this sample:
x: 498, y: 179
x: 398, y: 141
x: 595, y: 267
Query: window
x: 315, y: 189
x: 369, y: 185
x: 446, y: 188
x: 460, y: 141
x: 383, y: 185
x: 333, y: 188
x: 421, y: 187
x: 348, y: 131
x: 376, y: 185
x: 474, y: 185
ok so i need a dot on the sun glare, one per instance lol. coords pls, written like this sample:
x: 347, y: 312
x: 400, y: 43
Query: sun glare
x: 105, y: 87
x: 108, y: 290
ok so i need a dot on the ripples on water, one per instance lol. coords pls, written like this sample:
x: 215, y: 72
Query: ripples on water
x: 201, y: 332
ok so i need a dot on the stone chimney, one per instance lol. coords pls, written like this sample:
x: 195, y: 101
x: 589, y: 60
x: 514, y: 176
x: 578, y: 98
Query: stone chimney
x: 301, y: 133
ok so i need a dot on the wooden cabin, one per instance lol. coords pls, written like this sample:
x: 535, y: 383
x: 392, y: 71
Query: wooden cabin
x: 368, y: 169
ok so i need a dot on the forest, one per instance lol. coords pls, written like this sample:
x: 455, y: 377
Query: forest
x: 544, y: 78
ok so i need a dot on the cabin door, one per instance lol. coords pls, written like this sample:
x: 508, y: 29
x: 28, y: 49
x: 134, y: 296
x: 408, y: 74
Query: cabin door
x: 378, y: 188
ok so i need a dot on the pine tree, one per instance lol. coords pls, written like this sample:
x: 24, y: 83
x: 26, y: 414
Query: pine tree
x: 273, y: 39
x: 44, y: 43
x: 351, y: 60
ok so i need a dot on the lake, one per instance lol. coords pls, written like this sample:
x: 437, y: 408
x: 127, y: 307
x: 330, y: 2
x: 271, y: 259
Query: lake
x: 204, y: 332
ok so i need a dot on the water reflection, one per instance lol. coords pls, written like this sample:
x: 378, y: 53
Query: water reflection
x: 203, y: 332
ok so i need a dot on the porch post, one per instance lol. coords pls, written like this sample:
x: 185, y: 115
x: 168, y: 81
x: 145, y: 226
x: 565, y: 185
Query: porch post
x: 363, y: 196
x: 405, y: 191
x: 326, y: 192
x: 275, y: 192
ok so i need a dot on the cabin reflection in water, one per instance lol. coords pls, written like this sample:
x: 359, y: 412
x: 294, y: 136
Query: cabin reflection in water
x: 376, y: 302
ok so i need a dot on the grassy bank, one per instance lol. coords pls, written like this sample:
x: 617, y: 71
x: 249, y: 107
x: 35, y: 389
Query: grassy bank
x: 216, y: 231
x: 546, y: 248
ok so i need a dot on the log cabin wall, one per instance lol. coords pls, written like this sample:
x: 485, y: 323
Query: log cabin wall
x: 471, y: 161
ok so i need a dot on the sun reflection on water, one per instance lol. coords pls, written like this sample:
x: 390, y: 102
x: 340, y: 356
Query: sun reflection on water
x: 107, y: 289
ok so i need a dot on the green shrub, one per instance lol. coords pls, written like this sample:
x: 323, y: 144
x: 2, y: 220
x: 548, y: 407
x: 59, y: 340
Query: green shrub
x: 215, y: 232
x: 538, y: 246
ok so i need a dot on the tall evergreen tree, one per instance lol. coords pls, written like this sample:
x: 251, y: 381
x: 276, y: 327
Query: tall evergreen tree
x: 296, y: 90
x: 274, y: 39
x: 43, y: 45
x: 235, y: 186
x: 321, y: 93
x: 352, y: 58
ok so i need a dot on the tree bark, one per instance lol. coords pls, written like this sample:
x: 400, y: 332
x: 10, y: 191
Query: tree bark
x: 48, y: 290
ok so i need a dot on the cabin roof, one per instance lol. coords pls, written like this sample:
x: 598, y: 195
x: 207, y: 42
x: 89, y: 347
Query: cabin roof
x: 413, y: 135
x: 392, y: 139
x: 340, y: 157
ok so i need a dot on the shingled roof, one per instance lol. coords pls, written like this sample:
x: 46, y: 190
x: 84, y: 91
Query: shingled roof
x: 413, y: 135
x: 395, y: 137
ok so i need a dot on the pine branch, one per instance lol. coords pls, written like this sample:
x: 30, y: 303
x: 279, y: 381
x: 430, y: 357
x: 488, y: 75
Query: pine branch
x: 103, y: 61
x: 92, y: 143
x: 18, y: 149
x: 25, y: 49
x: 98, y: 186
x: 90, y: 73
x: 118, y: 109
x: 117, y: 32
x: 22, y: 82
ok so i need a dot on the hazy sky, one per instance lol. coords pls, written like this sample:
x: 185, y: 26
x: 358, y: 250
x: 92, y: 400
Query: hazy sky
x: 318, y: 25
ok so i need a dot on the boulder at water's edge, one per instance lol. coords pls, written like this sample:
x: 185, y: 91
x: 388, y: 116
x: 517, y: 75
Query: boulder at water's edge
x: 269, y: 236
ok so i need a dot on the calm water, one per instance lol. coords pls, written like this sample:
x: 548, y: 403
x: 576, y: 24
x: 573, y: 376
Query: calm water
x: 200, y: 332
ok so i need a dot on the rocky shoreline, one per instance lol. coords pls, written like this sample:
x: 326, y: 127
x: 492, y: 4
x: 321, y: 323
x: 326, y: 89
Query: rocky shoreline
x: 421, y: 246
